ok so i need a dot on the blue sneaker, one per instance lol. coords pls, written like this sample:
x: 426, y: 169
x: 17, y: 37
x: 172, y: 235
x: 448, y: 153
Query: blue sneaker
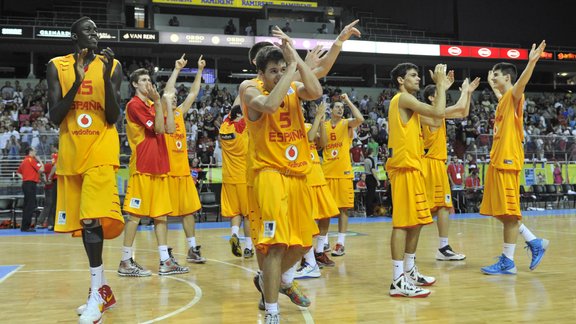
x: 503, y: 266
x: 538, y: 248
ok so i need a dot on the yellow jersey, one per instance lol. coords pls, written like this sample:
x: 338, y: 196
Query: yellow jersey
x: 280, y: 140
x: 234, y: 143
x: 177, y: 147
x: 435, y: 142
x: 316, y: 175
x: 507, y: 151
x: 336, y: 153
x: 405, y: 145
x: 86, y: 140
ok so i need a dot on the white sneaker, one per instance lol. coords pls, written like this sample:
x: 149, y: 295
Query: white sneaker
x: 402, y: 287
x: 308, y: 271
x: 447, y: 254
x: 418, y: 279
x: 272, y: 318
x: 92, y: 314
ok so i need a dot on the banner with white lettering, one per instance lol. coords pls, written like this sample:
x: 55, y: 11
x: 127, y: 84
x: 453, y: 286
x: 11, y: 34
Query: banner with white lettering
x: 243, y: 4
x: 139, y: 36
x: 206, y: 39
x: 16, y: 31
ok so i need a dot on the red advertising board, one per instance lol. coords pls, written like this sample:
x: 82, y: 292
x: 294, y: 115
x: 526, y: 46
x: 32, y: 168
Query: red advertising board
x: 453, y: 50
x: 513, y: 54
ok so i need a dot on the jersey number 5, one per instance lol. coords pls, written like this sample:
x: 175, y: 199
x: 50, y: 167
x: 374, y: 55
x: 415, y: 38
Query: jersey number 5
x: 285, y: 121
x: 85, y: 88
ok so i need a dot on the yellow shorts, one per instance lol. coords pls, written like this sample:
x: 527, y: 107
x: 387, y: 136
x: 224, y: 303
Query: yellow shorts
x: 183, y: 196
x: 324, y: 205
x: 409, y: 198
x: 342, y: 190
x: 501, y: 193
x: 438, y: 191
x: 234, y: 199
x: 286, y: 210
x: 91, y: 195
x: 253, y: 214
x: 148, y: 196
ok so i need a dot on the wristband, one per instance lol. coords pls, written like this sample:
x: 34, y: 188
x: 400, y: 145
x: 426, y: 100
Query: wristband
x: 338, y: 43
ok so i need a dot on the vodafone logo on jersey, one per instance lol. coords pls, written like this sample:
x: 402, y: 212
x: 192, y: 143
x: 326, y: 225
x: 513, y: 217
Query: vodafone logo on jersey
x: 84, y: 120
x: 334, y: 153
x: 291, y: 153
x: 179, y: 145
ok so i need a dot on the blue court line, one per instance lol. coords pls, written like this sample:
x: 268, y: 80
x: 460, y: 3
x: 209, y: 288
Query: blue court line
x: 351, y: 220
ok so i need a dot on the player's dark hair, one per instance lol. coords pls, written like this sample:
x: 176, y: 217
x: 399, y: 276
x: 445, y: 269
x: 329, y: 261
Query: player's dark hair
x: 268, y: 54
x: 507, y: 69
x: 400, y: 71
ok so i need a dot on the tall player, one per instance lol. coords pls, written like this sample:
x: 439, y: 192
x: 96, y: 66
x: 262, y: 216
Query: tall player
x: 83, y: 95
x: 337, y: 166
x: 404, y: 167
x: 281, y: 162
x: 438, y: 191
x: 234, y: 141
x: 324, y: 205
x: 501, y: 197
x: 183, y: 194
x: 148, y: 192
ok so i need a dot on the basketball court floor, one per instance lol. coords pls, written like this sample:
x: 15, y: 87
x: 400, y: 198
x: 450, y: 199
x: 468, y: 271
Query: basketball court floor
x: 44, y: 277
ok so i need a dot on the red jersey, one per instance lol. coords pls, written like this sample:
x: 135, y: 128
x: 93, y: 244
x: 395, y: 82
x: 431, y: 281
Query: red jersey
x: 149, y: 150
x: 29, y: 169
x: 456, y: 173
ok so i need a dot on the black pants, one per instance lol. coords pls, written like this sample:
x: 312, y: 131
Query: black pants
x: 49, y: 212
x: 371, y: 184
x: 29, y: 188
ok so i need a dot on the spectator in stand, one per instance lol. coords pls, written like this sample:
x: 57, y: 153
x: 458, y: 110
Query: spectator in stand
x: 43, y: 149
x: 248, y: 30
x: 558, y: 174
x: 27, y: 92
x: 7, y: 91
x: 323, y: 29
x: 29, y: 171
x: 473, y: 191
x: 373, y: 145
x: 456, y: 173
x: 356, y: 153
x: 230, y: 29
x: 361, y: 184
x: 13, y: 148
x: 287, y: 28
x: 174, y: 22
x: 364, y: 104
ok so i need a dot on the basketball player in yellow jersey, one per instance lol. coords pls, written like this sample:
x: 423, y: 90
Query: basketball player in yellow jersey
x: 438, y: 190
x: 83, y: 95
x: 281, y: 162
x: 183, y: 194
x: 324, y: 205
x: 234, y: 142
x: 337, y: 166
x: 501, y: 187
x: 404, y: 167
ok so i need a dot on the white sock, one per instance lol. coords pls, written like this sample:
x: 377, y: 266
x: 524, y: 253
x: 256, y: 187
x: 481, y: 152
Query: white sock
x: 320, y: 241
x: 235, y: 230
x: 508, y: 250
x: 288, y: 276
x: 126, y: 253
x: 248, y: 241
x: 191, y: 242
x: 341, y: 238
x: 526, y: 234
x: 96, y: 278
x: 326, y: 240
x: 163, y: 250
x: 310, y: 258
x: 409, y: 260
x: 443, y: 242
x: 103, y: 280
x: 271, y: 308
x: 397, y: 269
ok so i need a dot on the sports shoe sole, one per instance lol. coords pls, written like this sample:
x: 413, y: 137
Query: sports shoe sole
x: 235, y: 246
x: 133, y: 275
x: 172, y: 272
x: 451, y: 258
x: 196, y: 261
x: 415, y: 296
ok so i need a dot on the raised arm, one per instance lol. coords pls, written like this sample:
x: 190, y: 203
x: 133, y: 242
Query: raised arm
x: 318, y: 121
x: 195, y: 88
x: 59, y: 105
x: 357, y: 118
x: 112, y: 82
x: 462, y: 107
x: 437, y: 109
x: 169, y: 103
x: 178, y: 66
x: 327, y: 61
x: 533, y: 57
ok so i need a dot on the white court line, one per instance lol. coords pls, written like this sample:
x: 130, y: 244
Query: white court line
x: 308, y: 319
x: 11, y: 273
x: 196, y: 299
